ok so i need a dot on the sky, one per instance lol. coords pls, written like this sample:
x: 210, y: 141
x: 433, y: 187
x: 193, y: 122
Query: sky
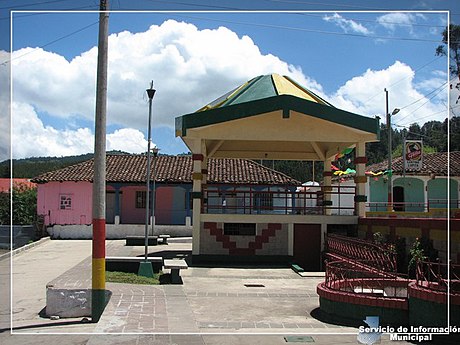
x: 348, y: 52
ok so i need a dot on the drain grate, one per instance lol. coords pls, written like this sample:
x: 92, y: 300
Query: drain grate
x: 299, y: 339
x: 254, y: 285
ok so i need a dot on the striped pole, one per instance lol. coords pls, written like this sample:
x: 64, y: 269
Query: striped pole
x: 98, y: 263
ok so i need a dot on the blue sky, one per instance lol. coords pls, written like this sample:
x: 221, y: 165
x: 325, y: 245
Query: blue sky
x: 347, y: 51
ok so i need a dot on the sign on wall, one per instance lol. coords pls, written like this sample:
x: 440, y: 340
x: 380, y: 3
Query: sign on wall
x: 413, y: 156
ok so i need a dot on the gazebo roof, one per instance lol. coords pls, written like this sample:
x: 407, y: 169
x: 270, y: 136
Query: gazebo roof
x: 264, y: 86
x: 273, y: 117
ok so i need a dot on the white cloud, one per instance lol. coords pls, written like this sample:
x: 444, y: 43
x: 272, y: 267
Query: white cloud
x: 347, y: 25
x: 128, y: 140
x: 30, y: 137
x: 392, y: 21
x: 189, y: 67
x: 365, y: 95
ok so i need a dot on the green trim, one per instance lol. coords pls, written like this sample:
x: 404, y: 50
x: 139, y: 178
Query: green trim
x: 196, y: 195
x: 352, y: 313
x: 98, y: 303
x: 360, y: 198
x: 284, y: 103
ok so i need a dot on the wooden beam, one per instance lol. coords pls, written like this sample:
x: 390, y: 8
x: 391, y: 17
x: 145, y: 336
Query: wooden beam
x: 251, y: 154
x: 213, y: 148
x: 318, y: 151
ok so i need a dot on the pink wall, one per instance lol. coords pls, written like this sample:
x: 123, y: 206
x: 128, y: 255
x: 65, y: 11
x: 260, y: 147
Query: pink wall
x: 129, y: 213
x: 164, y: 204
x: 77, y: 212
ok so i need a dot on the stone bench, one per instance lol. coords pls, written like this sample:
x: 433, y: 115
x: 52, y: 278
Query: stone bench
x: 164, y: 238
x: 140, y: 240
x: 131, y: 263
x: 175, y: 266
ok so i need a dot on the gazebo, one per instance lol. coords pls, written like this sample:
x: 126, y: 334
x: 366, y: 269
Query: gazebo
x: 270, y: 117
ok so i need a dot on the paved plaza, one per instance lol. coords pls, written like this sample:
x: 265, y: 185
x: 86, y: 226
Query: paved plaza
x: 213, y: 306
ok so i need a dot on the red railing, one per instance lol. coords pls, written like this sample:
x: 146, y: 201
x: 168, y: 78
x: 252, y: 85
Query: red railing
x: 377, y: 257
x: 276, y: 200
x: 347, y: 276
x: 433, y: 276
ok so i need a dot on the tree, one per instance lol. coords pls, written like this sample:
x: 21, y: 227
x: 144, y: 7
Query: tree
x: 24, y: 205
x: 453, y: 41
x: 454, y: 46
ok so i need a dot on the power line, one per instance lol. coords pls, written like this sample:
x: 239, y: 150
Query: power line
x: 17, y: 16
x: 377, y: 22
x: 195, y: 5
x: 402, y: 79
x: 423, y: 117
x: 311, y: 30
x: 424, y: 96
x: 51, y: 42
x: 32, y: 4
x: 319, y: 3
x: 439, y: 91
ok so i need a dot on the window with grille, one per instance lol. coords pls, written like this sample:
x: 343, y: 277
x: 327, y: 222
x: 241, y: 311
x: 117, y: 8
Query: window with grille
x: 263, y: 201
x: 65, y: 202
x: 240, y: 229
x: 141, y: 197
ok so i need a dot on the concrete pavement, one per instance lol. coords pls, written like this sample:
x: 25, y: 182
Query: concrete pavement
x: 213, y: 306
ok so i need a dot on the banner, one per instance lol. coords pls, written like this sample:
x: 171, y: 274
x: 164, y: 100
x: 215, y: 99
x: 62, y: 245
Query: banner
x: 413, y: 154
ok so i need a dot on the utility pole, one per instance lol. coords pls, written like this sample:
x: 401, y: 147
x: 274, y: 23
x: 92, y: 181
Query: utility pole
x: 98, y: 254
x: 389, y: 170
x: 390, y: 148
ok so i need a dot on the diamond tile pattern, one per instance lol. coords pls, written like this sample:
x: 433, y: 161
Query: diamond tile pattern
x: 171, y: 169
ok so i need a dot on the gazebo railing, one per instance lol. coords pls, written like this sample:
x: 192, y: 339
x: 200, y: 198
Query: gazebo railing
x: 433, y: 276
x: 225, y: 199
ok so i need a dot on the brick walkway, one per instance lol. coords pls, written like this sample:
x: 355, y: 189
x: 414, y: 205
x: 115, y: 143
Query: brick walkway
x: 212, y: 300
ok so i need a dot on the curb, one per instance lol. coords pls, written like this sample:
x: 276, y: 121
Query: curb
x: 24, y: 248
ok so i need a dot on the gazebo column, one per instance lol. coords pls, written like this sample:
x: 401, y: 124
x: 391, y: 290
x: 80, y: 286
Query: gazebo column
x: 360, y: 179
x: 197, y: 196
x: 327, y: 186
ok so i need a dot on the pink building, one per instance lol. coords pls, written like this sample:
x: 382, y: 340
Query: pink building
x: 64, y: 196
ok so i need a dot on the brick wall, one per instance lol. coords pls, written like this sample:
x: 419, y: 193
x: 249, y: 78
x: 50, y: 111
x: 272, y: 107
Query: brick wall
x: 270, y: 239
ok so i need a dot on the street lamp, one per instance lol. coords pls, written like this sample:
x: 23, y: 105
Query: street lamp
x: 155, y: 154
x: 145, y: 267
x: 389, y: 169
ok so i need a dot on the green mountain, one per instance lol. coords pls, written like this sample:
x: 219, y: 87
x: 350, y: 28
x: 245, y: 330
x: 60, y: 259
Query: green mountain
x: 31, y: 167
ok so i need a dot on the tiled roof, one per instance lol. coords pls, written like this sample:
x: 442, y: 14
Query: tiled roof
x: 17, y: 182
x: 172, y: 169
x: 433, y: 163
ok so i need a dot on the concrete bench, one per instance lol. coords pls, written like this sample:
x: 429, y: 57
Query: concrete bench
x: 175, y: 266
x: 140, y: 240
x: 164, y: 238
x: 131, y: 263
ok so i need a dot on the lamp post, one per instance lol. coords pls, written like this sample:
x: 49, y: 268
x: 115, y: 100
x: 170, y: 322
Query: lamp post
x: 145, y: 267
x: 389, y: 169
x: 155, y: 154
